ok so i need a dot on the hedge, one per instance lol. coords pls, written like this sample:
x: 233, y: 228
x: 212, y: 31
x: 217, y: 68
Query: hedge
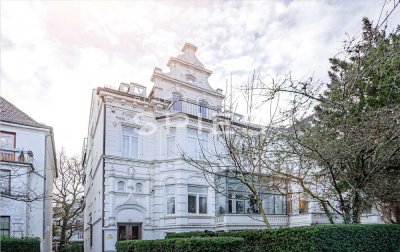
x: 73, y: 247
x: 197, y: 244
x: 20, y: 244
x: 314, y: 238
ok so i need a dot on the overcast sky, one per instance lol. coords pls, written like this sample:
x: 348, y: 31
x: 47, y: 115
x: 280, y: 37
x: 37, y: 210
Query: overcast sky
x: 53, y: 53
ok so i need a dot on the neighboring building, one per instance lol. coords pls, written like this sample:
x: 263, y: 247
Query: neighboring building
x: 28, y: 165
x: 136, y: 184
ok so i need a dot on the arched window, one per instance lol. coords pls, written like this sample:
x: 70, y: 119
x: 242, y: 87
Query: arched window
x: 139, y: 187
x: 190, y: 78
x: 121, y: 186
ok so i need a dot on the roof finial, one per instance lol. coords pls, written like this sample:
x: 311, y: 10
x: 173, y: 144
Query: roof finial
x: 189, y: 46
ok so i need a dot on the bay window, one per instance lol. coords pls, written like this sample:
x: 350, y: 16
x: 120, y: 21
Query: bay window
x: 197, y: 199
x: 241, y: 201
x: 130, y: 142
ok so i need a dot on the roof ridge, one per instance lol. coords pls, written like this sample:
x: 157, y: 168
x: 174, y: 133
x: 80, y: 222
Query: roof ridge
x: 10, y: 113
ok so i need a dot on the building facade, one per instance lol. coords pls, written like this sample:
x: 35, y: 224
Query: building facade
x: 137, y: 186
x: 28, y: 166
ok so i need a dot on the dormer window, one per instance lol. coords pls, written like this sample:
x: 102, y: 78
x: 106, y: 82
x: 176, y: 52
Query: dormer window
x: 138, y: 89
x: 190, y: 78
x: 123, y: 87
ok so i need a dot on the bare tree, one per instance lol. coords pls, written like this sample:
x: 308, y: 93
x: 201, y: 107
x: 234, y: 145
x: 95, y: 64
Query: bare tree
x: 68, y: 196
x: 237, y: 154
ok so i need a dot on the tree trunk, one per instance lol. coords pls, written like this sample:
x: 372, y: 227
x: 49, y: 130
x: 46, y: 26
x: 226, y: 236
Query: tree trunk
x: 396, y: 213
x: 63, y: 234
x: 357, y: 208
x: 262, y: 212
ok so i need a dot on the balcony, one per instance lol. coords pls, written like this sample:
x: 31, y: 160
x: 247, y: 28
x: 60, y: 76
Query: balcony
x: 16, y: 156
x: 194, y: 110
x: 248, y: 221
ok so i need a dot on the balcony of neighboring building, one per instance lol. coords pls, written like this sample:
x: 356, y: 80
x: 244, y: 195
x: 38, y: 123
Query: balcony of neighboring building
x: 16, y: 156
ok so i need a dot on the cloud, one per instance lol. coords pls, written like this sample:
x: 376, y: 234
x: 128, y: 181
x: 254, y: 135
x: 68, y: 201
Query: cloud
x: 53, y: 53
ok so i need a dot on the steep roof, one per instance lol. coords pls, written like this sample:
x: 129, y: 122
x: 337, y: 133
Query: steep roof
x: 12, y: 114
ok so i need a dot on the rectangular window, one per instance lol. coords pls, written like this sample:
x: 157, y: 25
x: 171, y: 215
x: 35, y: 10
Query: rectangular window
x: 171, y: 150
x: 274, y: 203
x: 203, y: 144
x: 197, y: 143
x: 303, y: 206
x: 270, y: 204
x: 7, y: 140
x: 239, y: 203
x: 192, y: 142
x: 203, y: 204
x: 170, y: 195
x: 5, y: 181
x: 7, y: 146
x: 197, y: 199
x: 129, y: 231
x: 230, y: 207
x: 130, y: 142
x: 203, y: 109
x: 280, y: 204
x: 192, y: 204
x: 5, y: 226
x: 176, y: 103
x: 80, y: 235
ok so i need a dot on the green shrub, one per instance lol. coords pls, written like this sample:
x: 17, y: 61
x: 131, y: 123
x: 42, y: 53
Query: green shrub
x: 198, y: 244
x: 314, y: 238
x: 20, y: 244
x: 73, y: 247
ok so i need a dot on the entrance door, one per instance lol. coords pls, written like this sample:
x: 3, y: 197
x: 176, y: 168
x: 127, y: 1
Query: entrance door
x: 129, y: 231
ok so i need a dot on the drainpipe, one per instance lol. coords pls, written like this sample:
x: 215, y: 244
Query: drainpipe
x: 44, y: 191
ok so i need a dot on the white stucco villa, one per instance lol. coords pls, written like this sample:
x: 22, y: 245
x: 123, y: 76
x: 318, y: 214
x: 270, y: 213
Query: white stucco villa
x: 28, y: 165
x: 138, y: 187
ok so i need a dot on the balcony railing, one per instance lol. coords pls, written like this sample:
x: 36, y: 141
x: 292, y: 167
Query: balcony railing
x: 198, y: 110
x: 14, y: 155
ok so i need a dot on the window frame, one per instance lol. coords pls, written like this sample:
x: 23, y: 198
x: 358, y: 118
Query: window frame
x: 200, y: 141
x: 176, y: 102
x: 120, y: 182
x: 7, y: 192
x: 203, y: 109
x: 9, y: 225
x: 10, y: 133
x: 167, y: 196
x: 130, y: 138
x: 284, y: 208
x: 170, y: 135
x: 190, y: 79
x: 139, y: 187
x: 197, y: 196
x: 5, y: 151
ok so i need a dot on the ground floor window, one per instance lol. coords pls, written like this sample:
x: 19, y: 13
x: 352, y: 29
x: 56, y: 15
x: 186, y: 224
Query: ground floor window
x: 275, y: 203
x: 197, y: 199
x: 5, y: 226
x: 129, y: 231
